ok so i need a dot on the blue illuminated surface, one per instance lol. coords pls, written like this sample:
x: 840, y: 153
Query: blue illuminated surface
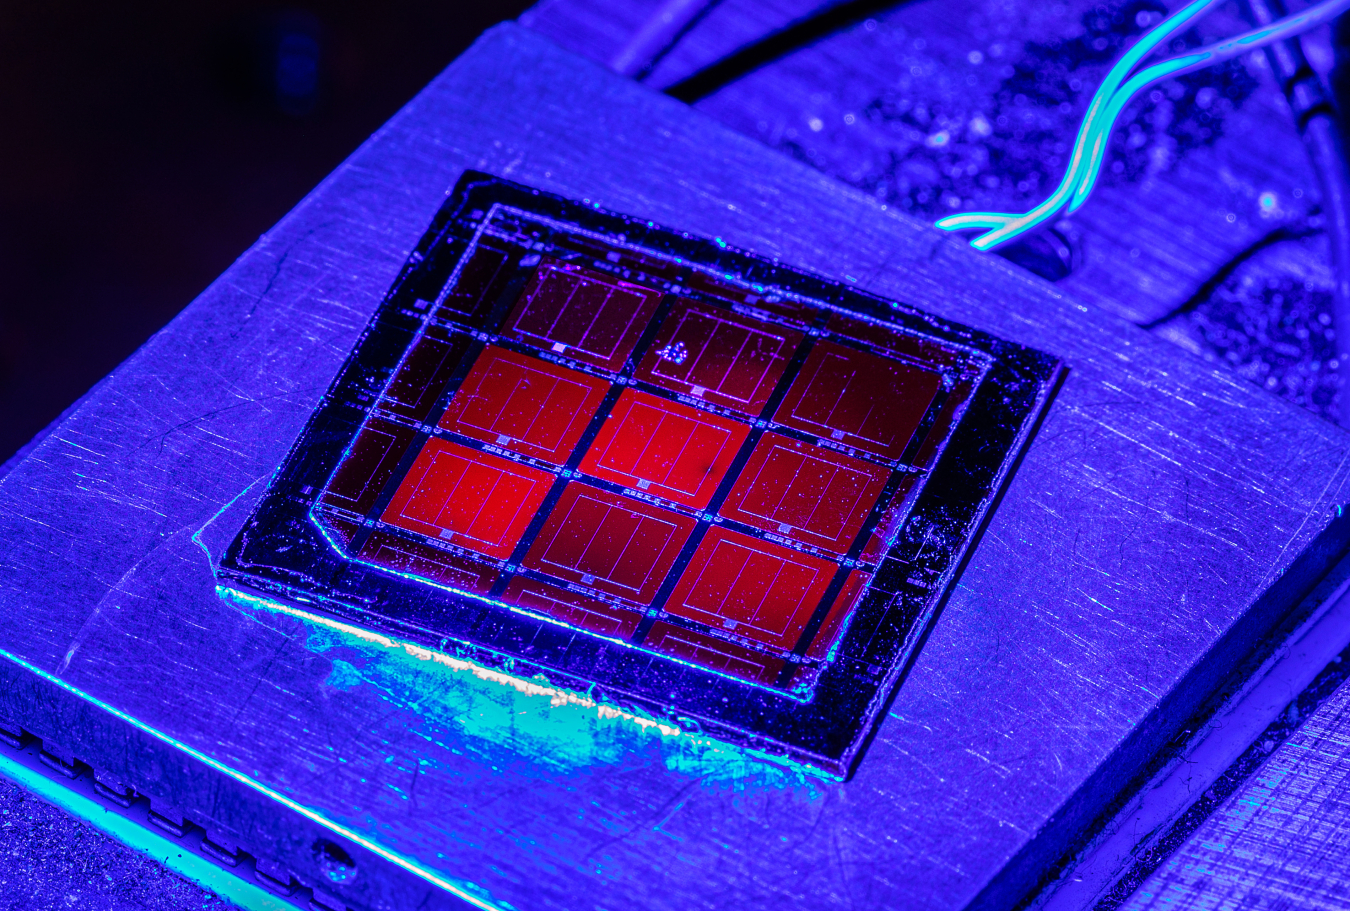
x: 139, y: 838
x: 563, y: 730
x: 1279, y: 841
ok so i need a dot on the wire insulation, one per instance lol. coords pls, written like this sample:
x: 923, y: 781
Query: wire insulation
x: 797, y: 34
x: 1112, y: 97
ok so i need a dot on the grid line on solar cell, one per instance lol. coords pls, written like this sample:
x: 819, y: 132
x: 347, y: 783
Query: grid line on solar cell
x: 815, y: 496
x: 714, y: 653
x: 391, y: 552
x: 759, y: 589
x: 664, y: 448
x: 471, y: 498
x: 860, y: 399
x: 571, y: 607
x: 524, y: 404
x: 424, y: 373
x: 368, y: 465
x: 614, y: 544
x: 582, y: 313
x: 719, y: 355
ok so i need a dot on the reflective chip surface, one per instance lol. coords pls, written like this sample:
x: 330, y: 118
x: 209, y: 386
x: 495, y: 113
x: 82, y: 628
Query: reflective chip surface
x: 654, y: 468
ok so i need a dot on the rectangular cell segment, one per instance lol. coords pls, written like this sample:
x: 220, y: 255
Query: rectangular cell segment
x: 572, y: 608
x: 582, y: 314
x: 394, y: 553
x: 807, y: 492
x: 718, y: 355
x: 470, y: 498
x: 711, y: 652
x: 524, y: 404
x: 664, y: 448
x: 368, y: 466
x: 843, y: 605
x: 857, y: 398
x: 482, y: 279
x: 620, y: 546
x: 755, y: 588
x: 424, y: 373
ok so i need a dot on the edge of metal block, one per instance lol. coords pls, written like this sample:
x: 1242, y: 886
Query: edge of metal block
x: 1107, y: 836
x: 66, y: 746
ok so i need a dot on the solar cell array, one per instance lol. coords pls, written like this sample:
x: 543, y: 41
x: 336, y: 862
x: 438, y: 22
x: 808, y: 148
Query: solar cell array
x: 690, y: 468
x: 690, y: 482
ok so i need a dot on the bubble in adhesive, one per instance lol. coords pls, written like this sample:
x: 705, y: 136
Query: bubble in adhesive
x: 334, y: 862
x: 676, y: 353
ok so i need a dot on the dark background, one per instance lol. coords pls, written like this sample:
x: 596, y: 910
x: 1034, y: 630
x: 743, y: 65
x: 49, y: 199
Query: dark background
x: 145, y: 146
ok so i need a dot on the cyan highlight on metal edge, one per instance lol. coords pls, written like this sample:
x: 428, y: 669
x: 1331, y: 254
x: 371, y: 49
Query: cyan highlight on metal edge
x: 509, y: 715
x: 184, y: 857
x: 468, y: 892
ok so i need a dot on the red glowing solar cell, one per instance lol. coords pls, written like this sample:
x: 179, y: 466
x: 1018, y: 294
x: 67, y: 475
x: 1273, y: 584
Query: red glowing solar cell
x: 368, y: 466
x: 844, y: 602
x: 714, y: 653
x: 720, y: 356
x: 665, y: 448
x: 424, y: 373
x: 759, y: 590
x: 583, y: 314
x: 572, y: 608
x: 617, y: 545
x: 391, y: 552
x: 859, y: 399
x: 814, y: 495
x: 524, y: 404
x: 473, y: 499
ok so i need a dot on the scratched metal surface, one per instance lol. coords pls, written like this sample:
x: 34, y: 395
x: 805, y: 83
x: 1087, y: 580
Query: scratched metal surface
x: 1162, y: 493
x: 1145, y: 244
x: 898, y: 105
x: 1278, y: 842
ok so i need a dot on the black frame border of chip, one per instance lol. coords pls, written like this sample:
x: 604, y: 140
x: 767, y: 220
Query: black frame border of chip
x: 280, y: 552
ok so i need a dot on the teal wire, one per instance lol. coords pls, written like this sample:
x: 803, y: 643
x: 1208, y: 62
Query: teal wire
x: 1009, y: 225
x: 1112, y: 112
x: 1202, y: 57
x: 1111, y: 98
